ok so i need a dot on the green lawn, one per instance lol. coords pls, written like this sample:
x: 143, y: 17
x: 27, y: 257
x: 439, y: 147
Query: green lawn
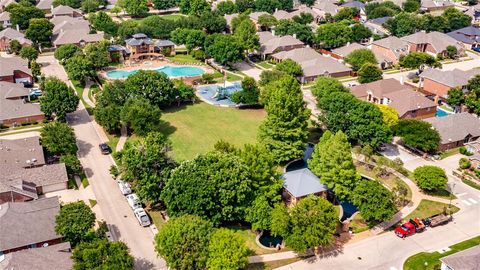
x: 449, y: 152
x: 271, y: 265
x: 233, y: 77
x: 156, y: 218
x: 428, y: 208
x: 442, y: 193
x: 194, y: 129
x: 431, y: 261
x: 112, y: 141
x: 185, y: 59
x: 265, y: 64
x: 471, y: 183
x: 358, y: 224
x: 172, y: 17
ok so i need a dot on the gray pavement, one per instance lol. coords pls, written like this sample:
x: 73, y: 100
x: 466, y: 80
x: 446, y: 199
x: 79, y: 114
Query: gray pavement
x: 111, y: 203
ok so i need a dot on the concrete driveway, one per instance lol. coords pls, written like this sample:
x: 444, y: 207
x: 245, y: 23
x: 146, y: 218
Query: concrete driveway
x: 112, y: 205
x: 250, y: 71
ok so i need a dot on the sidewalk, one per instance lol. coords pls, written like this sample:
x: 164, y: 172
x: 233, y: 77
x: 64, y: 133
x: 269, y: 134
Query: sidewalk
x: 85, y: 96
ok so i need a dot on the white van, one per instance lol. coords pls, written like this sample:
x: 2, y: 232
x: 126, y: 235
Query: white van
x: 134, y: 201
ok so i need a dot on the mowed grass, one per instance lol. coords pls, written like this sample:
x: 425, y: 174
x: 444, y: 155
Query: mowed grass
x: 194, y: 129
x: 172, y: 17
x: 428, y: 208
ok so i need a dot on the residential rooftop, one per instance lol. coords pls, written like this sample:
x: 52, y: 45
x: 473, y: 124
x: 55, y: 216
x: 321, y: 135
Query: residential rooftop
x: 456, y: 127
x: 302, y: 182
x: 17, y: 152
x: 54, y: 257
x: 450, y: 78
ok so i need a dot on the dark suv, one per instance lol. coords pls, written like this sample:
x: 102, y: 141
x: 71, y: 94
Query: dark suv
x: 104, y: 148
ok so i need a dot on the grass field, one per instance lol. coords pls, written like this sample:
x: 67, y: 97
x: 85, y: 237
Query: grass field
x: 428, y: 208
x: 185, y: 59
x: 431, y: 261
x: 194, y: 129
x: 172, y: 17
x: 358, y: 224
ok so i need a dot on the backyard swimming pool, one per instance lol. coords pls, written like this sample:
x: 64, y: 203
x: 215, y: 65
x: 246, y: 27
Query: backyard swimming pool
x: 170, y: 71
x: 441, y: 112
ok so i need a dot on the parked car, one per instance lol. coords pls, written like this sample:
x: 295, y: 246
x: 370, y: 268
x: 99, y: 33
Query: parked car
x: 134, y: 201
x: 125, y: 187
x: 142, y: 217
x: 104, y: 148
x: 411, y: 227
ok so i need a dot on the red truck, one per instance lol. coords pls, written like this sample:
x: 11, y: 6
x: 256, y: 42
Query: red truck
x: 411, y: 227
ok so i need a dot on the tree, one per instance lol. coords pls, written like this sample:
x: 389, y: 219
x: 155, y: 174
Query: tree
x: 268, y: 6
x: 65, y: 52
x: 140, y: 115
x: 164, y: 4
x: 58, y: 138
x: 456, y: 18
x: 109, y: 103
x: 101, y: 21
x: 226, y: 7
x: 136, y: 8
x: 39, y: 31
x: 127, y: 28
x: 227, y: 251
x: 301, y: 31
x: 417, y: 60
x: 280, y: 220
x: 290, y: 67
x: 267, y: 21
x: 58, y: 99
x: 244, y: 5
x: 359, y: 57
x: 346, y: 13
x: 220, y: 197
x: 36, y: 71
x: 308, y: 2
x: 417, y: 134
x: 212, y: 23
x: 310, y: 223
x: 156, y: 27
x: 15, y: 46
x: 381, y: 9
x: 452, y: 52
x: 74, y: 221
x: 249, y: 94
x: 89, y: 6
x: 97, y: 54
x: 360, y: 32
x: 411, y: 5
x: 259, y: 214
x: 332, y: 35
x: 194, y: 7
x: 369, y: 73
x: 70, y: 3
x: 374, y: 201
x: 20, y: 14
x: 455, y: 97
x: 326, y: 85
x: 183, y: 242
x: 79, y: 68
x: 402, y: 24
x: 464, y: 163
x: 390, y: 115
x: 285, y: 130
x: 29, y: 53
x: 430, y: 178
x: 154, y: 86
x: 332, y: 162
x: 224, y: 48
x: 191, y: 38
x: 303, y: 18
x: 246, y: 33
x: 101, y: 254
x: 73, y: 165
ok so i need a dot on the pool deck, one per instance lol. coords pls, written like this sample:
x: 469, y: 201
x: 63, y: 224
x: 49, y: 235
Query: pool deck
x: 151, y: 65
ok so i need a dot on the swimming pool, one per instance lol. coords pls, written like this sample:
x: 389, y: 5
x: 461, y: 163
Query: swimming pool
x: 170, y: 71
x: 441, y: 112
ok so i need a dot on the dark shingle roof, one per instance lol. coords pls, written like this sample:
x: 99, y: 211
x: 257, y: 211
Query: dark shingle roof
x: 17, y: 152
x: 468, y: 259
x: 55, y: 257
x: 455, y: 127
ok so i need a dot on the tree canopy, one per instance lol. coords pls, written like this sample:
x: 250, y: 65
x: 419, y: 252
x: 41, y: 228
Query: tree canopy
x: 140, y: 115
x: 58, y: 138
x: 418, y: 59
x: 227, y: 251
x: 359, y: 57
x: 101, y: 254
x: 285, y: 131
x: 369, y: 73
x: 66, y: 52
x: 374, y: 201
x: 39, y: 31
x: 390, y: 115
x: 74, y: 220
x: 58, y: 99
x: 333, y: 35
x: 224, y: 49
x: 417, y: 134
x: 21, y: 14
x: 430, y: 178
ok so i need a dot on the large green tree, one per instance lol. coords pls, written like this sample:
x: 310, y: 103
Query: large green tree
x: 74, y: 221
x: 21, y: 14
x: 191, y: 38
x: 403, y: 24
x: 58, y: 99
x: 154, y: 86
x: 289, y: 27
x: 369, y: 73
x: 310, y: 223
x: 359, y: 57
x: 194, y: 7
x: 66, y: 52
x: 97, y: 54
x: 101, y: 21
x: 215, y: 186
x: 227, y: 251
x: 374, y: 201
x: 246, y: 33
x: 136, y: 8
x: 290, y: 67
x: 285, y: 130
x: 140, y: 115
x: 249, y: 94
x: 101, y: 254
x: 224, y: 49
x: 226, y: 7
x: 333, y: 35
x: 418, y: 59
x: 164, y: 4
x: 58, y: 138
x: 183, y: 242
x: 79, y: 68
x: 430, y: 178
x: 332, y: 162
x: 417, y: 134
x: 39, y: 31
x: 381, y: 9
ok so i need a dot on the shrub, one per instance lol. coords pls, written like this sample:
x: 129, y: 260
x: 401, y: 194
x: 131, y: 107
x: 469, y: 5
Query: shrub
x: 198, y: 54
x: 114, y: 171
x: 208, y: 78
x: 464, y: 163
x: 430, y: 178
x: 464, y: 151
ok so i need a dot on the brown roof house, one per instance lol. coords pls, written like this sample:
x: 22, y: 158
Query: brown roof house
x: 388, y: 50
x: 403, y: 98
x: 14, y: 106
x: 270, y: 44
x: 433, y: 43
x: 469, y: 36
x: 55, y: 257
x: 45, y: 5
x: 288, y: 15
x: 25, y: 225
x: 436, y: 82
x: 313, y: 64
x: 65, y: 11
x: 9, y: 34
x: 342, y: 52
x: 72, y: 30
x: 325, y: 7
x: 468, y: 259
x: 21, y: 153
x: 456, y: 129
x: 5, y: 3
x: 5, y: 19
x: 15, y: 70
x: 432, y: 5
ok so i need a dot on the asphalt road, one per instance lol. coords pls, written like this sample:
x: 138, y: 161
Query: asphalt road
x: 113, y: 205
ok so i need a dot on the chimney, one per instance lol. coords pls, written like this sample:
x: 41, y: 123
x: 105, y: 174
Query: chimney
x: 401, y: 80
x: 273, y: 32
x: 18, y: 28
x: 294, y: 35
x: 276, y: 9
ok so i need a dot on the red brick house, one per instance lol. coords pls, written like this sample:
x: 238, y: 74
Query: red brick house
x: 9, y: 34
x: 436, y: 82
x: 433, y: 43
x: 15, y: 70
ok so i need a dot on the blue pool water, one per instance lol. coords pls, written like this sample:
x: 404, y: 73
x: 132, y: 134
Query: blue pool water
x: 348, y: 210
x: 210, y: 93
x: 441, y: 112
x: 170, y: 71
